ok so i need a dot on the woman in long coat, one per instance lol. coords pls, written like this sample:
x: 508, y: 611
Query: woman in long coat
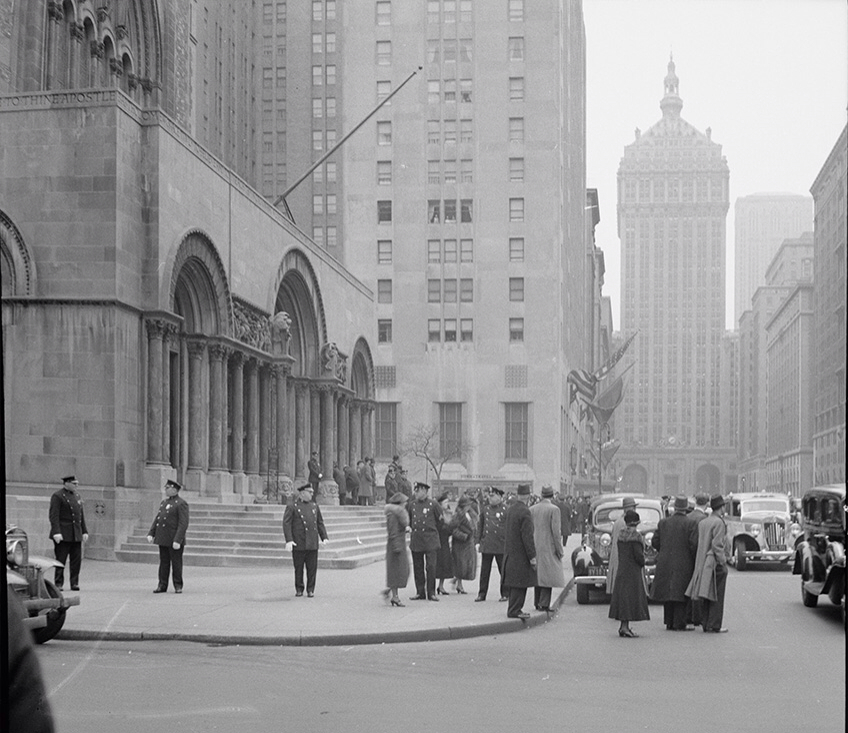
x: 366, y: 484
x: 629, y: 600
x: 444, y: 563
x: 397, y: 562
x: 463, y: 553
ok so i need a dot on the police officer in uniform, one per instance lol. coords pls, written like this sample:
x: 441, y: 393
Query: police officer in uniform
x: 67, y: 530
x: 303, y: 527
x: 168, y: 531
x: 425, y: 516
x: 490, y: 530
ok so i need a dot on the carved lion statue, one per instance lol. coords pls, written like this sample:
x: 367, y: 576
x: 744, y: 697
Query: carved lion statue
x: 280, y: 324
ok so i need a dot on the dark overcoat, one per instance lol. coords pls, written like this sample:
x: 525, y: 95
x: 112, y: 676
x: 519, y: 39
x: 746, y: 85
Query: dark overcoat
x: 463, y: 554
x: 351, y: 480
x: 304, y: 525
x: 491, y: 529
x: 629, y: 601
x: 314, y: 471
x: 425, y: 518
x: 397, y: 561
x: 171, y: 522
x: 519, y: 548
x: 712, y: 552
x: 67, y: 515
x: 676, y: 539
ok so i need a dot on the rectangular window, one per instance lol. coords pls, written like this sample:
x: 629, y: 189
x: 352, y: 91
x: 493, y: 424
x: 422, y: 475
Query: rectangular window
x: 466, y: 329
x: 432, y: 11
x: 516, y: 329
x: 384, y: 212
x: 268, y: 78
x: 465, y: 50
x: 385, y: 430
x: 331, y: 106
x: 465, y: 91
x: 432, y: 52
x: 450, y: 211
x: 450, y: 132
x: 281, y: 77
x: 434, y: 251
x: 450, y: 291
x: 516, y: 10
x: 434, y: 177
x: 331, y: 138
x: 450, y: 429
x: 318, y: 175
x: 317, y: 43
x: 516, y: 170
x: 318, y: 236
x: 516, y: 209
x: 450, y: 330
x: 466, y: 134
x: 449, y: 50
x: 384, y: 133
x: 317, y: 108
x: 466, y: 171
x: 516, y: 129
x: 317, y: 10
x: 434, y: 290
x: 331, y: 203
x: 515, y: 431
x: 331, y: 172
x: 330, y: 43
x: 317, y: 139
x: 317, y: 204
x: 450, y: 250
x: 434, y: 136
x: 466, y: 210
x: 433, y: 211
x: 332, y: 237
x: 331, y: 74
x: 516, y: 48
x: 516, y: 89
x: 384, y: 172
x: 466, y: 250
x: 384, y: 331
x: 384, y: 89
x: 466, y: 290
x: 317, y: 76
x: 434, y: 94
x: 516, y: 249
x: 516, y: 289
x: 450, y: 171
x: 384, y: 251
x: 450, y: 90
x: 331, y: 9
x: 384, y: 291
x: 449, y: 10
x: 434, y: 330
x: 384, y: 53
x: 384, y: 12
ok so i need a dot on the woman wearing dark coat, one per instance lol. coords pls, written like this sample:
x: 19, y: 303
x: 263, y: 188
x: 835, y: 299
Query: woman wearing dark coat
x: 629, y: 600
x: 463, y: 553
x: 397, y: 562
x: 444, y: 563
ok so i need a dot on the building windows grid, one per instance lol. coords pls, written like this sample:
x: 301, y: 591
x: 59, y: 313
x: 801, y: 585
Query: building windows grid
x: 516, y: 431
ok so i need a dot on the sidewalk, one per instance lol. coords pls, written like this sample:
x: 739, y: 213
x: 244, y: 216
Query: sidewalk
x: 258, y: 606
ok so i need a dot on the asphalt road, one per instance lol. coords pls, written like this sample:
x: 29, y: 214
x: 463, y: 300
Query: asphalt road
x: 781, y: 668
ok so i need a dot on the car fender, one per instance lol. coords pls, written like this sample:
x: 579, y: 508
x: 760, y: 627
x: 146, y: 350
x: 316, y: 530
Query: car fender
x: 834, y: 565
x: 15, y: 578
x: 43, y: 563
x: 802, y: 553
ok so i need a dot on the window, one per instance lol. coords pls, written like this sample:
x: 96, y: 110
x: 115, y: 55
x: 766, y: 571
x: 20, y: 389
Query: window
x: 450, y: 292
x: 268, y: 78
x: 450, y: 90
x: 433, y: 175
x: 466, y: 171
x: 331, y: 203
x: 466, y: 290
x: 331, y: 74
x: 465, y: 131
x: 516, y: 48
x: 432, y: 52
x: 465, y: 91
x: 433, y: 211
x: 450, y: 330
x: 384, y: 251
x: 281, y: 77
x: 331, y: 138
x: 384, y: 12
x: 515, y: 431
x: 465, y: 49
x: 433, y: 91
x: 466, y: 210
x: 449, y: 51
x: 434, y: 330
x: 384, y: 331
x: 317, y: 43
x: 516, y: 289
x: 317, y: 10
x: 434, y: 251
x: 317, y: 204
x: 516, y: 89
x: 331, y: 171
x: 318, y: 175
x: 384, y: 291
x: 466, y: 250
x: 331, y: 9
x: 464, y: 11
x: 317, y: 108
x: 317, y: 139
x: 450, y: 171
x: 450, y: 429
x: 516, y: 209
x: 385, y: 430
x: 317, y: 76
x: 384, y: 212
x: 384, y: 53
x: 516, y: 329
x: 384, y: 133
x: 450, y: 250
x: 450, y: 132
x: 516, y: 170
x: 466, y: 329
x: 330, y: 43
x: 384, y: 89
x: 516, y: 10
x: 332, y: 237
x: 433, y: 11
x: 449, y: 8
x: 450, y: 211
x: 516, y: 129
x: 318, y: 236
x: 516, y: 249
x: 434, y: 290
x: 433, y: 134
x: 331, y: 106
x: 384, y: 172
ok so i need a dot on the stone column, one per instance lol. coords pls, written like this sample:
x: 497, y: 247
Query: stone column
x: 266, y: 410
x: 55, y: 16
x: 216, y: 413
x: 291, y: 427
x: 328, y: 488
x: 367, y: 443
x: 154, y: 390
x: 170, y: 336
x: 76, y: 51
x: 284, y: 417
x: 315, y: 420
x: 252, y: 426
x: 355, y: 432
x: 237, y: 458
x: 301, y: 405
x: 344, y: 432
x: 195, y: 475
x: 225, y: 408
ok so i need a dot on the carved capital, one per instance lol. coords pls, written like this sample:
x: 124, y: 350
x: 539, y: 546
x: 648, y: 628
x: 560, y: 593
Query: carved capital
x: 132, y: 81
x: 78, y: 32
x: 55, y: 11
x: 116, y: 67
x: 237, y: 358
x: 97, y: 49
x: 155, y: 328
x: 122, y: 32
x: 146, y: 84
x: 102, y: 14
x: 195, y: 347
x: 217, y: 352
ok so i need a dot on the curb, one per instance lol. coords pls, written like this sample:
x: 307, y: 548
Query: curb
x: 445, y: 633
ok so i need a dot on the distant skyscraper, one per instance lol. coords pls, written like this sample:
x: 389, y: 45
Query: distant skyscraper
x: 672, y: 206
x: 761, y: 222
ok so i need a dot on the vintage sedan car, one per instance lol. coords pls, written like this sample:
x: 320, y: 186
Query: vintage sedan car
x: 43, y: 601
x: 820, y: 557
x: 760, y: 528
x: 590, y: 561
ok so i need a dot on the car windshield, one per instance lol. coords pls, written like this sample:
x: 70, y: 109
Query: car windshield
x: 765, y: 505
x: 606, y: 515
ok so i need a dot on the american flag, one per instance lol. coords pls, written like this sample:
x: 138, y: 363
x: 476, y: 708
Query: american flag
x: 613, y: 360
x: 582, y: 384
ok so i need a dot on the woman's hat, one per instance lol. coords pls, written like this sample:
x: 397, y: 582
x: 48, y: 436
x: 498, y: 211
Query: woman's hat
x: 631, y: 518
x: 444, y: 495
x: 397, y: 498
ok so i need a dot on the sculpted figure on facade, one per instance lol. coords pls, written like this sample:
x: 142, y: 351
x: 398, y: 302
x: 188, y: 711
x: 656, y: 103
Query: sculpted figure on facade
x: 333, y: 362
x: 280, y: 324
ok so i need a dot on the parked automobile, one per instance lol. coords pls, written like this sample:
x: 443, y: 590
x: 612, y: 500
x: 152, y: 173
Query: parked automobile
x: 820, y: 557
x: 760, y: 528
x: 43, y: 601
x: 590, y: 561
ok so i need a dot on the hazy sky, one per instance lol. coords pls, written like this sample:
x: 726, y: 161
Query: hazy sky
x: 770, y: 77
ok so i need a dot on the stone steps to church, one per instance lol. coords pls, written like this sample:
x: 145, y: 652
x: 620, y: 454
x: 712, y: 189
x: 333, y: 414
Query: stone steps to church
x: 193, y: 557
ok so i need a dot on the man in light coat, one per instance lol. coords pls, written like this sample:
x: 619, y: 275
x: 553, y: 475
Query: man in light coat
x: 627, y: 503
x: 547, y: 536
x: 676, y: 540
x: 519, y: 553
x: 710, y: 575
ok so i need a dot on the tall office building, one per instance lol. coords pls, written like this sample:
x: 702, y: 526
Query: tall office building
x: 672, y: 205
x: 761, y: 222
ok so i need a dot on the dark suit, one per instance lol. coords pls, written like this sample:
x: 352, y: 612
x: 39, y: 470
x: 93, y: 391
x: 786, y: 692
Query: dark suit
x: 352, y: 483
x: 168, y: 527
x: 676, y: 539
x: 339, y: 478
x: 315, y: 474
x: 490, y: 530
x: 425, y: 518
x: 304, y: 525
x: 67, y: 517
x: 519, y: 550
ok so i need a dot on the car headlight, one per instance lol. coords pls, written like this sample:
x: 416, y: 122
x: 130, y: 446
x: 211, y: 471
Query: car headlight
x: 606, y: 540
x: 795, y: 529
x: 648, y: 537
x: 15, y: 553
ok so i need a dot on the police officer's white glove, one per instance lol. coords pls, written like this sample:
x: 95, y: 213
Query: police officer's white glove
x: 57, y: 537
x: 289, y: 546
x: 325, y: 542
x: 149, y: 539
x: 176, y: 545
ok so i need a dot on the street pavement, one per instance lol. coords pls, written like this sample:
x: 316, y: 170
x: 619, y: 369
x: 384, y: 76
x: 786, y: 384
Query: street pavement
x: 257, y: 606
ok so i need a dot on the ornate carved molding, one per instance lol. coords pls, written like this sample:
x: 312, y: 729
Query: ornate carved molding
x: 195, y: 347
x: 97, y: 49
x: 55, y: 11
x: 155, y: 328
x: 251, y: 325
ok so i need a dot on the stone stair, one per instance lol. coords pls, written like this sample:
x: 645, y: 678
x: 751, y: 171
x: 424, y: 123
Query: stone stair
x: 251, y: 535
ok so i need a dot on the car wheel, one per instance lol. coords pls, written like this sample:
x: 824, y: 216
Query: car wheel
x: 55, y: 618
x: 582, y: 594
x: 810, y: 600
x: 741, y: 559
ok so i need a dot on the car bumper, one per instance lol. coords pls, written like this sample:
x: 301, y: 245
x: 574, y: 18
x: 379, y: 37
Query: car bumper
x: 770, y: 555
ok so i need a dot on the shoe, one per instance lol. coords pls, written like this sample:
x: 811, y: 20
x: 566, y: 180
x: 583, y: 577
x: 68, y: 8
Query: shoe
x: 628, y: 633
x: 178, y: 590
x: 462, y: 592
x: 298, y: 594
x: 546, y: 609
x: 160, y: 589
x: 722, y: 630
x: 502, y: 599
x: 520, y: 615
x: 479, y: 599
x: 396, y: 602
x: 418, y: 598
x: 441, y: 592
x: 310, y: 594
x: 433, y: 598
x: 75, y: 587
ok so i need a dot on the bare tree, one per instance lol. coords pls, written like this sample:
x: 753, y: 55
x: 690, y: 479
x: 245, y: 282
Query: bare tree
x: 424, y: 442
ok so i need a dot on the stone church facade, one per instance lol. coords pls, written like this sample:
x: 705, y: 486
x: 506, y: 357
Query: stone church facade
x: 160, y: 318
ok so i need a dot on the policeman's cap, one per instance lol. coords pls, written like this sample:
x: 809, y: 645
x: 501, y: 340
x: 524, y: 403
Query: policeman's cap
x: 171, y: 484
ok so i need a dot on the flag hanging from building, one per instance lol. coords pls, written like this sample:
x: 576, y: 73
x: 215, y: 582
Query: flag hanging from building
x: 608, y: 450
x: 614, y: 359
x: 582, y: 384
x: 603, y: 407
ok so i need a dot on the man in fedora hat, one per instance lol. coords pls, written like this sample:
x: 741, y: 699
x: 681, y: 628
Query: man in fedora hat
x: 627, y: 504
x: 425, y: 518
x: 547, y: 537
x: 491, y: 541
x: 67, y: 530
x: 676, y: 540
x: 303, y: 527
x: 710, y: 575
x: 699, y: 513
x: 168, y: 531
x: 519, y: 553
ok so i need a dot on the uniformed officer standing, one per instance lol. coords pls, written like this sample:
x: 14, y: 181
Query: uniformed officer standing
x: 67, y: 530
x: 168, y: 531
x: 490, y: 530
x: 303, y: 527
x: 425, y: 516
